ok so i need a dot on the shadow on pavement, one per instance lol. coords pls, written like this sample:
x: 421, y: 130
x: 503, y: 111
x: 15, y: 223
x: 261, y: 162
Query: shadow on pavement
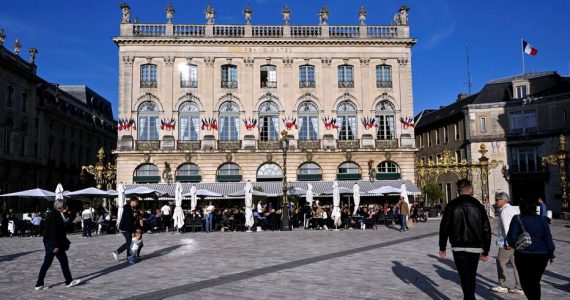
x: 421, y: 281
x: 15, y: 255
x: 483, y: 287
x: 562, y: 287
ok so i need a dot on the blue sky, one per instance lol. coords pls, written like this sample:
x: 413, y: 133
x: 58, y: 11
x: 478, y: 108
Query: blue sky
x: 75, y: 46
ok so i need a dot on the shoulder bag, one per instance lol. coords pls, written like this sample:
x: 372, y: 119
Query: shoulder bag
x: 524, y: 239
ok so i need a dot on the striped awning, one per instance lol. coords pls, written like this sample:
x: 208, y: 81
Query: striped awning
x: 275, y: 188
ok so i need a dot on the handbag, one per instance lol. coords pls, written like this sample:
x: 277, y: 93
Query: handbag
x: 524, y: 239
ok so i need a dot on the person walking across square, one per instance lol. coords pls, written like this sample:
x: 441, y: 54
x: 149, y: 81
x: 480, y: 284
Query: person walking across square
x: 466, y: 225
x: 127, y: 227
x: 506, y: 252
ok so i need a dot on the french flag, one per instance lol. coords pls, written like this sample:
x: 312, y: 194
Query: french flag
x: 529, y: 49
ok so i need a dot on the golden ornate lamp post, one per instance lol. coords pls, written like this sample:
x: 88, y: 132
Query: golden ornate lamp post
x: 104, y: 174
x: 560, y: 159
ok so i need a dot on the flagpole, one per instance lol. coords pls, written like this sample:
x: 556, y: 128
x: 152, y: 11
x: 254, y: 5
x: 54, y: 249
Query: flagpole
x: 522, y: 54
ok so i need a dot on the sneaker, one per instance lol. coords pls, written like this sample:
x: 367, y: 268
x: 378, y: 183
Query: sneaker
x: 115, y: 256
x: 516, y: 291
x: 499, y: 289
x: 41, y: 288
x: 74, y: 283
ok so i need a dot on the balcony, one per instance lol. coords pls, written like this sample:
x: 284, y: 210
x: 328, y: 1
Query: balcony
x: 268, y: 145
x: 387, y: 144
x: 149, y: 84
x: 309, y: 144
x: 269, y: 84
x: 189, y: 178
x: 309, y: 177
x: 188, y: 84
x: 188, y: 145
x: 348, y: 144
x: 348, y: 176
x: 229, y: 145
x: 307, y: 84
x: 229, y: 84
x: 148, y: 145
x: 383, y: 84
x: 346, y: 84
x: 228, y: 178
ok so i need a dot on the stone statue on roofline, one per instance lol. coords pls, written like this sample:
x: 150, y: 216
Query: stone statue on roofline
x: 210, y: 13
x: 401, y: 17
x: 126, y: 9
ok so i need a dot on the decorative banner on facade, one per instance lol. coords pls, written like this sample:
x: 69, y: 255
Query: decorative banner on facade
x: 290, y: 122
x: 330, y: 123
x: 209, y: 124
x: 250, y: 123
x: 408, y: 122
x: 126, y: 124
x: 166, y: 124
x: 369, y: 122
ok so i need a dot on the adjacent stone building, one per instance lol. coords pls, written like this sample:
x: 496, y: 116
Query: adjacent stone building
x: 47, y: 131
x: 519, y: 119
x: 208, y: 102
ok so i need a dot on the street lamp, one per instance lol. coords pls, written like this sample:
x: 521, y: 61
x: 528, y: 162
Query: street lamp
x: 560, y: 159
x: 285, y: 226
x: 104, y: 174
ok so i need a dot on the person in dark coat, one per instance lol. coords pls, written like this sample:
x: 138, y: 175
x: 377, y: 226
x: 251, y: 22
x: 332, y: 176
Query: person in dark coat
x: 55, y: 244
x: 126, y: 227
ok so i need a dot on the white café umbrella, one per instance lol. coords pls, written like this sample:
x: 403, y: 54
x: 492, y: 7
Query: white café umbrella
x: 88, y: 192
x: 385, y: 190
x: 193, y: 198
x: 242, y: 193
x: 341, y: 190
x: 356, y: 196
x: 59, y: 192
x: 33, y: 193
x: 142, y: 192
x: 336, y: 202
x: 120, y: 202
x: 309, y: 196
x: 404, y: 194
x: 248, y: 204
x: 297, y: 191
x: 178, y: 215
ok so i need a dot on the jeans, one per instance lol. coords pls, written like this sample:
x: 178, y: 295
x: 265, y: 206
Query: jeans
x: 530, y: 268
x: 87, y: 224
x: 48, y: 259
x: 466, y: 263
x: 403, y: 220
x: 127, y: 245
x: 503, y: 257
x: 209, y: 222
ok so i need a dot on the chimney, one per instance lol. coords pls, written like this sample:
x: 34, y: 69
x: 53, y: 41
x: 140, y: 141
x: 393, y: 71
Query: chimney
x: 461, y: 96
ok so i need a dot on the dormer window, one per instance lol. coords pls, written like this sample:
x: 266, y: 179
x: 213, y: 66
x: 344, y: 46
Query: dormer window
x: 521, y: 91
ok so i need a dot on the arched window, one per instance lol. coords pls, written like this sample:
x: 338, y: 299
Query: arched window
x: 148, y: 76
x: 188, y: 173
x: 307, y: 76
x: 309, y: 171
x: 383, y: 76
x: 308, y: 121
x: 229, y: 121
x: 228, y: 172
x: 188, y: 76
x: 149, y: 122
x: 146, y: 173
x: 385, y: 118
x: 229, y: 77
x: 346, y: 120
x: 345, y: 76
x: 388, y: 170
x: 268, y: 76
x: 189, y: 120
x: 349, y: 171
x: 269, y: 172
x: 268, y: 121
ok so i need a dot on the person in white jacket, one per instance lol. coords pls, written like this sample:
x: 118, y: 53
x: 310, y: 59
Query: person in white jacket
x: 506, y: 251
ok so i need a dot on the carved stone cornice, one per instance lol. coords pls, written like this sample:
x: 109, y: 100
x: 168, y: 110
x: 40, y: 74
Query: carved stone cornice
x: 249, y: 61
x: 128, y: 60
x: 169, y: 60
x: 327, y: 61
x: 209, y: 61
x: 287, y: 62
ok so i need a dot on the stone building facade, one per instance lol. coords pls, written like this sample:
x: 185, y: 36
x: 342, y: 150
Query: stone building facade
x: 208, y: 102
x: 47, y: 131
x: 519, y: 120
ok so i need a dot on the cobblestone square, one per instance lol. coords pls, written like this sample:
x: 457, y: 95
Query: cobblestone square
x: 350, y: 264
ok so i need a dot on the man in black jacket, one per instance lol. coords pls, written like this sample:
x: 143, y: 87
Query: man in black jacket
x: 466, y: 225
x: 127, y: 227
x: 55, y: 244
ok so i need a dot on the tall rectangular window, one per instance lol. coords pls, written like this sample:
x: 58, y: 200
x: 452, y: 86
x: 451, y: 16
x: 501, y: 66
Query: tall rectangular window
x: 420, y: 141
x: 229, y: 128
x: 345, y: 76
x: 383, y: 76
x: 24, y: 102
x: 521, y: 91
x: 522, y: 121
x: 188, y: 76
x: 149, y: 76
x: 268, y: 76
x: 564, y: 116
x: 9, y: 99
x: 307, y: 76
x: 348, y: 126
x: 229, y: 76
x: 437, y: 140
x: 483, y: 124
x: 429, y: 138
x: 386, y: 127
x: 456, y: 131
x: 7, y: 141
x: 524, y: 159
x: 308, y: 127
x: 445, y: 134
